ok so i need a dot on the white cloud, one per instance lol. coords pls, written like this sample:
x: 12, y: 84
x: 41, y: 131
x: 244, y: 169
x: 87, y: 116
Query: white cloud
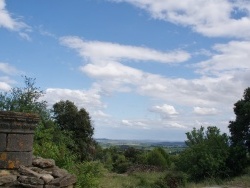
x: 205, y: 111
x: 230, y: 57
x: 177, y: 125
x: 165, y: 110
x: 7, y: 21
x: 135, y: 124
x: 104, y: 62
x: 211, y: 18
x: 112, y: 70
x: 4, y: 86
x: 100, y: 114
x: 8, y: 69
x: 5, y: 83
x: 101, y: 52
x: 13, y: 24
x: 221, y: 83
x: 83, y: 99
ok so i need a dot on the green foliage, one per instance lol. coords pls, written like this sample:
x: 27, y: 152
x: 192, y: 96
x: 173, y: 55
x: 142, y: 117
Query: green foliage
x: 88, y: 174
x: 120, y: 163
x: 132, y: 154
x: 240, y: 134
x: 206, y: 155
x: 24, y: 99
x: 173, y: 179
x: 158, y: 157
x: 78, y: 122
x: 51, y: 142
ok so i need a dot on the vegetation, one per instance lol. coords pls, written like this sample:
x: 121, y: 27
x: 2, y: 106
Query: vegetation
x: 78, y: 123
x: 240, y: 135
x: 207, y: 154
x: 65, y: 133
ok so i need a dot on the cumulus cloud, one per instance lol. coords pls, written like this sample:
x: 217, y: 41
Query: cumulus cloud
x: 205, y: 111
x: 5, y: 83
x: 134, y: 123
x: 165, y: 110
x: 210, y: 18
x: 89, y: 99
x: 177, y: 125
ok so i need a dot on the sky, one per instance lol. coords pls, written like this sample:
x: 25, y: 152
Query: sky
x: 143, y: 69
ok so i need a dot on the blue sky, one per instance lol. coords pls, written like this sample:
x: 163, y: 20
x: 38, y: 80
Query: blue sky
x: 143, y: 69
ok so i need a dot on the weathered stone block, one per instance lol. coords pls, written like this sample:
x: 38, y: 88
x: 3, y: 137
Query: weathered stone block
x: 2, y: 142
x: 12, y: 160
x: 64, y: 181
x: 43, y: 163
x: 30, y: 180
x: 7, y: 179
x: 19, y: 142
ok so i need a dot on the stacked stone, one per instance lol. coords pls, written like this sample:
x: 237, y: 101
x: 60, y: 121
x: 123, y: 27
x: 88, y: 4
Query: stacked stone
x: 16, y: 138
x: 42, y: 174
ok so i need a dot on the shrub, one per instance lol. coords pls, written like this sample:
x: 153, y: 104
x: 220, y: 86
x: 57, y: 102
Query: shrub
x: 172, y: 180
x: 206, y: 155
x: 158, y: 157
x: 88, y: 174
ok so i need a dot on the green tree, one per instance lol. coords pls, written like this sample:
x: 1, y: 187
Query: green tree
x: 51, y: 142
x: 24, y: 99
x: 158, y: 157
x: 78, y: 122
x: 206, y: 155
x: 240, y: 135
x: 240, y: 127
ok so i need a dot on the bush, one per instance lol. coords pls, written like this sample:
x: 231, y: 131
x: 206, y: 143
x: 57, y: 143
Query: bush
x: 88, y: 174
x: 172, y: 180
x: 158, y: 157
x: 53, y: 143
x: 206, y: 155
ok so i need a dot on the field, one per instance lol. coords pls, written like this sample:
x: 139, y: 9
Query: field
x: 170, y: 147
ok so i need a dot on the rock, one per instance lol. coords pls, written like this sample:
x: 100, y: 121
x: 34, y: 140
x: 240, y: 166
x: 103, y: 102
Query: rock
x: 28, y: 172
x: 30, y: 186
x: 40, y: 171
x: 4, y: 173
x: 43, y: 163
x: 30, y: 180
x: 7, y: 179
x: 47, y: 177
x: 58, y: 172
x: 64, y: 181
x: 50, y: 186
x: 71, y: 186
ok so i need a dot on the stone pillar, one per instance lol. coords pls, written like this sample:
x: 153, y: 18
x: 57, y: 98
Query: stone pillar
x: 16, y: 139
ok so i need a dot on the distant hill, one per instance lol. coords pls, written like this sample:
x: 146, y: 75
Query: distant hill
x: 153, y: 143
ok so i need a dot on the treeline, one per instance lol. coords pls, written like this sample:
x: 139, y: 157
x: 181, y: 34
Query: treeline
x: 65, y: 133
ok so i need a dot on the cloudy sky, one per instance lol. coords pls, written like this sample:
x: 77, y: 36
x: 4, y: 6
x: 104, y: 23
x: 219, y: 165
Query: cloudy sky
x: 143, y: 69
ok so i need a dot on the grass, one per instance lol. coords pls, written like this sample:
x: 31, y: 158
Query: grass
x: 241, y: 181
x: 134, y: 180
x: 145, y: 180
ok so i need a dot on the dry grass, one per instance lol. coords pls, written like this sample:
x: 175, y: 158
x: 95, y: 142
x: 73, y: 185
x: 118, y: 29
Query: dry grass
x: 134, y: 180
x: 146, y: 180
